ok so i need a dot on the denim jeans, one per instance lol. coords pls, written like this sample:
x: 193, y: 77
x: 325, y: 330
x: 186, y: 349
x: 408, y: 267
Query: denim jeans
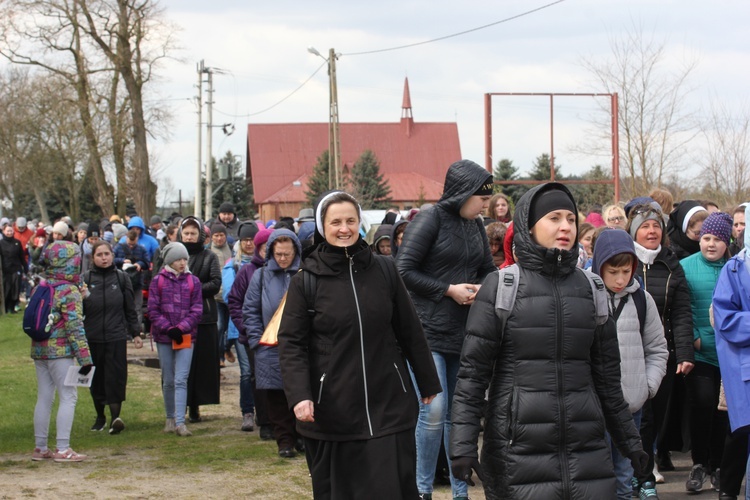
x: 175, y: 368
x: 222, y: 324
x: 623, y: 468
x: 247, y: 402
x: 434, y: 424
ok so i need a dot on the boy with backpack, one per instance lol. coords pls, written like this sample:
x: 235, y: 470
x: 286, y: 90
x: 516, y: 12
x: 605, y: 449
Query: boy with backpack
x: 640, y: 334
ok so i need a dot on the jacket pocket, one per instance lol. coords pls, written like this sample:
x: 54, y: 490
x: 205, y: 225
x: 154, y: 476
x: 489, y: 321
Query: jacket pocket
x: 320, y: 389
x: 401, y: 379
x: 513, y: 415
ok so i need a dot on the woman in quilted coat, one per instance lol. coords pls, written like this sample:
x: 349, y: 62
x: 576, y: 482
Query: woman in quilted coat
x: 552, y: 369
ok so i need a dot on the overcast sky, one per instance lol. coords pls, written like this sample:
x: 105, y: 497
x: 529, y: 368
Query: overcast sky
x: 262, y: 48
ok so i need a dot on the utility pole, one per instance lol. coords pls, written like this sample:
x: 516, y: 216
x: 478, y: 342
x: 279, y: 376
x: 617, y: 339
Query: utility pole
x: 199, y: 100
x: 209, y: 137
x: 333, y: 124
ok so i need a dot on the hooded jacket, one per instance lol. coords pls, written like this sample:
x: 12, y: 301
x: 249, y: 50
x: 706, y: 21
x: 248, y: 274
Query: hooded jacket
x: 394, y: 228
x: 145, y: 240
x: 171, y: 303
x: 261, y: 302
x: 732, y: 325
x: 109, y: 309
x: 701, y: 276
x: 204, y: 265
x: 62, y: 260
x: 441, y: 248
x: 383, y: 232
x: 349, y: 356
x: 553, y: 377
x: 643, y: 360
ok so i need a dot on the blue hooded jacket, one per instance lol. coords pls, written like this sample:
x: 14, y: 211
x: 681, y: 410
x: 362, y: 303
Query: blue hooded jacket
x: 145, y: 240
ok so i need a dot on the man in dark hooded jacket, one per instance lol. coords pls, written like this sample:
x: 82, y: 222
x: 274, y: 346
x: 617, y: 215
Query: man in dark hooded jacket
x: 443, y: 258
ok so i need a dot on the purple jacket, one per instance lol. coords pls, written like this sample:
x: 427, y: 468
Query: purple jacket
x: 171, y: 303
x: 237, y: 295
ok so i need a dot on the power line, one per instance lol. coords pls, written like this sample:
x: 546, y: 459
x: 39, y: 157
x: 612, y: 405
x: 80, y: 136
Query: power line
x: 456, y: 34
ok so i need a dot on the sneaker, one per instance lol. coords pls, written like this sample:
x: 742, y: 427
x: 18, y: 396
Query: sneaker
x: 248, y: 422
x: 98, y: 425
x: 287, y: 453
x: 664, y: 461
x: 117, y: 426
x: 68, y: 456
x: 229, y: 356
x: 636, y: 487
x: 716, y: 480
x: 648, y: 490
x: 169, y: 426
x: 658, y: 475
x: 299, y: 445
x: 696, y: 479
x: 40, y: 455
x: 182, y: 431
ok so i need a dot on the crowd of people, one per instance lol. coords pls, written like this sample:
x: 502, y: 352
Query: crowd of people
x: 585, y: 345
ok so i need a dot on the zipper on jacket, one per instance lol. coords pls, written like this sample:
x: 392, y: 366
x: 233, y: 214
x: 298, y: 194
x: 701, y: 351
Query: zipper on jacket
x: 320, y: 390
x: 361, y: 341
x: 400, y: 377
x: 562, y: 447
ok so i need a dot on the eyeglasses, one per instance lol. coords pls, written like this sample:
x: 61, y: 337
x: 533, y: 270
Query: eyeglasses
x: 615, y: 219
x: 283, y: 255
x: 647, y: 209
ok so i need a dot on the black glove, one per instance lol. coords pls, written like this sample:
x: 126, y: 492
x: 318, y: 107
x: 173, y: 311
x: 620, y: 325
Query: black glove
x: 461, y: 468
x: 85, y: 369
x: 242, y: 339
x: 639, y: 461
x: 175, y: 334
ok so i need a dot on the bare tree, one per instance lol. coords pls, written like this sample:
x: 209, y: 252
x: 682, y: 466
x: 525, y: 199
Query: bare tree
x: 655, y: 123
x: 726, y: 161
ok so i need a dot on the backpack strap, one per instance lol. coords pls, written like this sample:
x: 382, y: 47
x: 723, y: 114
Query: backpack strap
x: 639, y: 299
x: 309, y: 287
x: 600, y: 296
x: 507, y: 288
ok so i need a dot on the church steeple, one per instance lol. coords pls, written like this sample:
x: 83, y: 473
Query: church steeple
x: 406, y: 117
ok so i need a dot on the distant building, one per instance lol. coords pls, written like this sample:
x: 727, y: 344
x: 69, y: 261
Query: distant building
x: 414, y: 158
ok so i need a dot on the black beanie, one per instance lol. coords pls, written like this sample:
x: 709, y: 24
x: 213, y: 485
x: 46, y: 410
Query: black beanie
x: 247, y: 230
x: 226, y: 208
x: 218, y: 228
x: 548, y: 201
x: 485, y: 189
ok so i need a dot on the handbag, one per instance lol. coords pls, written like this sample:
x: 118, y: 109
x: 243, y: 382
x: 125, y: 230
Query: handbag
x: 270, y: 335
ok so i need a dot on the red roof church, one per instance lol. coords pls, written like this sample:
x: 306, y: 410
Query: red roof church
x: 413, y: 158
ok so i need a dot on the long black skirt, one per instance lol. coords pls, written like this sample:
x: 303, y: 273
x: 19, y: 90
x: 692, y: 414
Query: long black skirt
x: 383, y: 467
x: 203, y: 381
x: 111, y: 374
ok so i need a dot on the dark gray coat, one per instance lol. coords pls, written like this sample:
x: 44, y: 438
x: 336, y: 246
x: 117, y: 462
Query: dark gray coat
x: 440, y: 248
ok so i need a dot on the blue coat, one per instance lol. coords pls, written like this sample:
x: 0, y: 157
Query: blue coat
x: 701, y: 277
x: 261, y: 303
x: 732, y: 326
x: 145, y: 240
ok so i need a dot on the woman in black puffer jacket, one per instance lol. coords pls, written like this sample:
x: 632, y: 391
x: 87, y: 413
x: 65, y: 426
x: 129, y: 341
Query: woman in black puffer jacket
x: 443, y: 258
x: 203, y: 382
x: 553, y: 372
x: 110, y: 320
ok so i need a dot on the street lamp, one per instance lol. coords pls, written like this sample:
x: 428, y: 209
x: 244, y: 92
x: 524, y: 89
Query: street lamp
x: 334, y: 145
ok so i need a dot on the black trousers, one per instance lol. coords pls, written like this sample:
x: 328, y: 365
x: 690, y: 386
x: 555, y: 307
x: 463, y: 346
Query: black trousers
x: 708, y: 425
x: 384, y: 467
x: 282, y: 418
x: 733, y: 463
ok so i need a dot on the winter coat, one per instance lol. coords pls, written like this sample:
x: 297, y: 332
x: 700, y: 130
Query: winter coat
x: 702, y: 276
x: 232, y: 227
x: 223, y: 254
x: 440, y: 248
x: 394, y: 228
x: 145, y: 240
x: 172, y: 303
x: 236, y: 297
x: 67, y: 338
x: 263, y: 296
x: 136, y: 255
x: 13, y: 259
x: 732, y: 325
x: 349, y: 357
x: 109, y: 309
x: 23, y: 236
x: 643, y: 357
x: 204, y: 265
x: 665, y: 281
x: 553, y: 377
